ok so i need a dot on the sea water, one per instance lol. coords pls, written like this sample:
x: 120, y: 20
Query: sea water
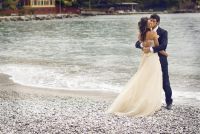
x: 97, y: 53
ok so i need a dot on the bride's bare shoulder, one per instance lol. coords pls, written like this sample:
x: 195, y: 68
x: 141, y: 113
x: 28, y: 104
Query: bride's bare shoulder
x: 152, y: 34
x: 149, y: 34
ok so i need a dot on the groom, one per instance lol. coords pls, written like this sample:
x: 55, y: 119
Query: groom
x: 163, y: 40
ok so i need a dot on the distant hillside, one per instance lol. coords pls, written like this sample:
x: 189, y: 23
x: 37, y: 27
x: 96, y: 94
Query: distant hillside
x: 142, y: 4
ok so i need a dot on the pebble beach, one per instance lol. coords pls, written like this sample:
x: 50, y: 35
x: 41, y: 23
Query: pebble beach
x: 31, y: 110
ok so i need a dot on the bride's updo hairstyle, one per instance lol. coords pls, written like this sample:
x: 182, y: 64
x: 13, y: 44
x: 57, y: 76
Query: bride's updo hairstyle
x: 143, y: 27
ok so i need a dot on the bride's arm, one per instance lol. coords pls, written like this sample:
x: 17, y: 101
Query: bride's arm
x: 155, y: 39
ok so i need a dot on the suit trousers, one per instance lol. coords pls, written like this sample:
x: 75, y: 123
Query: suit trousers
x: 166, y: 84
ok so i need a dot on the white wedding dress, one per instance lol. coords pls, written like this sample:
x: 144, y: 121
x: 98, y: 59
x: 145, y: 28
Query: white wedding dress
x: 142, y: 95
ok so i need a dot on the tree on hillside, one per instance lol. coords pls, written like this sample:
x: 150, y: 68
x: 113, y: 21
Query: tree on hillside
x: 67, y: 3
x: 10, y: 4
x: 188, y: 4
x: 157, y: 4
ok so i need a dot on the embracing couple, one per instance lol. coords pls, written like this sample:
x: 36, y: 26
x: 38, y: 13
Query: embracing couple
x: 142, y: 95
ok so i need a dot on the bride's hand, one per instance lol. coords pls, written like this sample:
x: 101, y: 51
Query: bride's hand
x: 146, y: 49
x: 145, y: 44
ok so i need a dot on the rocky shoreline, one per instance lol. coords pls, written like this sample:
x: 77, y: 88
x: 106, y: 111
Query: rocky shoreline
x: 31, y: 110
x: 37, y: 17
x: 63, y: 16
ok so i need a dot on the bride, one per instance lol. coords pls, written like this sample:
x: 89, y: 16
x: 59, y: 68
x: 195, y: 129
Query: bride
x: 142, y: 94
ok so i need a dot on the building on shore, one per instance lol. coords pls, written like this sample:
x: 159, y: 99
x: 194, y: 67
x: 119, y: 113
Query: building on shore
x: 24, y: 7
x: 38, y: 6
x: 39, y: 3
x: 124, y: 6
x: 131, y: 6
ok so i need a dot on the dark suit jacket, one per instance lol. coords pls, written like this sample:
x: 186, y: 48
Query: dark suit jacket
x: 163, y: 40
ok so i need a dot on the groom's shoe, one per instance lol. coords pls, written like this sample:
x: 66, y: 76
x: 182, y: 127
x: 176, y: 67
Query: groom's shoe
x: 169, y: 106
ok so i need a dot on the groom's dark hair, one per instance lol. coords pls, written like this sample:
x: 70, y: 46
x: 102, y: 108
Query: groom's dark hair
x: 155, y: 16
